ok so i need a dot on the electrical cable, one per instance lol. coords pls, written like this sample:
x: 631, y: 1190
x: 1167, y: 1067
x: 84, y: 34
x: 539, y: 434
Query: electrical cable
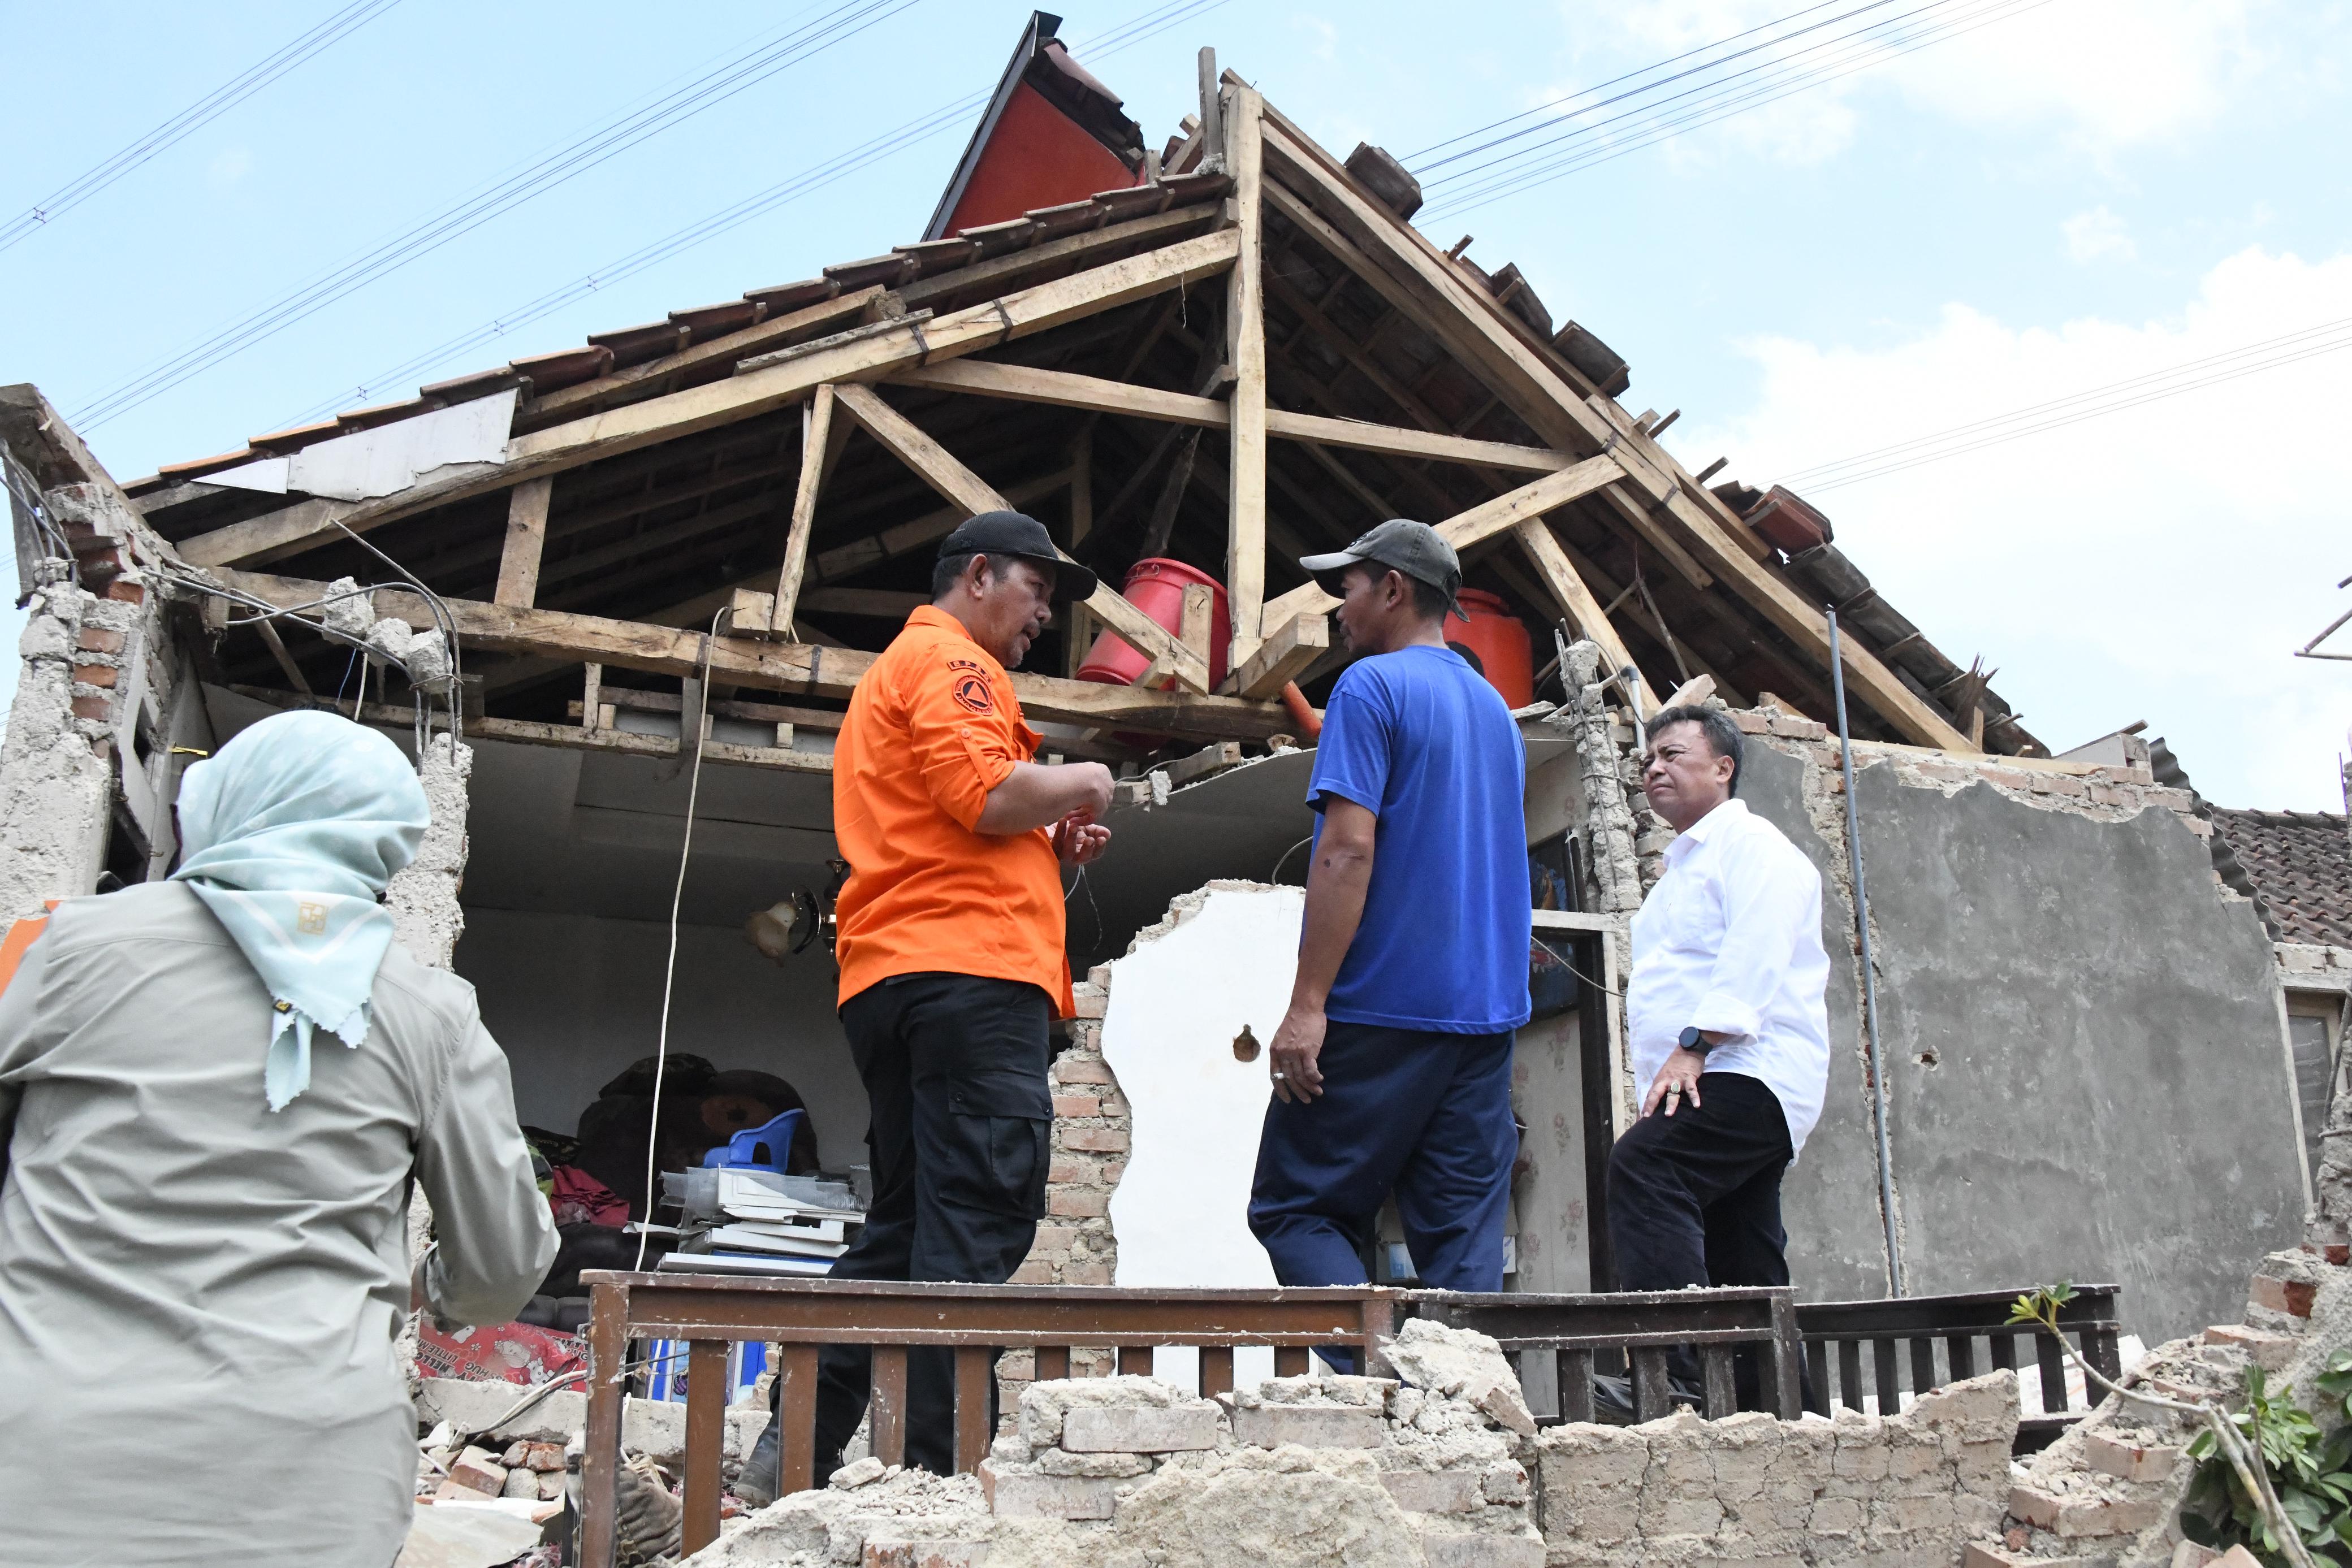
x: 676, y: 904
x: 202, y: 112
x: 1771, y: 88
x: 1276, y: 875
x: 1562, y: 961
x: 2059, y: 413
x: 741, y: 72
x: 1147, y: 25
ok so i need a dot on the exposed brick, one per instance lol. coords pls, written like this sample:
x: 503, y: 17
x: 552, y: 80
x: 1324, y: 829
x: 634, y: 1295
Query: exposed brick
x: 2079, y: 1515
x: 1034, y: 1271
x: 2007, y: 777
x: 2271, y: 1352
x: 1076, y: 1201
x: 126, y: 590
x: 1055, y: 1237
x: 1095, y: 1140
x: 1140, y: 1429
x: 98, y: 640
x: 1024, y: 1495
x: 1072, y: 1068
x: 2060, y: 784
x: 1751, y: 723
x: 1083, y: 1274
x: 1067, y: 1168
x: 1435, y: 1491
x: 1796, y: 728
x: 1313, y: 1426
x: 1077, y: 1105
x: 97, y: 675
x: 2293, y: 1297
x: 2129, y: 1462
x: 2109, y: 795
x: 91, y: 708
x: 1087, y: 1002
x: 1112, y: 1171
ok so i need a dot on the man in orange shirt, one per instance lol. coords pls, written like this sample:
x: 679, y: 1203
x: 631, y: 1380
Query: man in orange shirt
x: 950, y: 937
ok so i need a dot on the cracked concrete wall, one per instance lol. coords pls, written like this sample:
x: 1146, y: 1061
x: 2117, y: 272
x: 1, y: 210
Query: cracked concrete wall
x: 422, y: 898
x: 55, y: 790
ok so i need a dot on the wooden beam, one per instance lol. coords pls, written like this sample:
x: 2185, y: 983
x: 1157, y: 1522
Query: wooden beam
x: 1584, y: 612
x: 1065, y: 389
x: 796, y: 668
x: 1412, y: 274
x: 1285, y: 654
x: 793, y: 326
x: 816, y: 446
x: 1245, y: 352
x: 1082, y: 486
x: 967, y: 489
x: 1198, y: 618
x: 526, y: 538
x: 1506, y: 512
x: 740, y: 397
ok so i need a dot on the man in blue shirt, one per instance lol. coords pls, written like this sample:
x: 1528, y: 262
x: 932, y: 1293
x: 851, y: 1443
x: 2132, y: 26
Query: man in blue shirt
x: 1392, y: 1068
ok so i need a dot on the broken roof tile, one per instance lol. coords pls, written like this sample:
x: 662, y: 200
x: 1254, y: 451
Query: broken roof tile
x: 703, y: 322
x: 782, y: 297
x: 565, y: 366
x: 472, y: 384
x: 887, y: 270
x: 635, y: 345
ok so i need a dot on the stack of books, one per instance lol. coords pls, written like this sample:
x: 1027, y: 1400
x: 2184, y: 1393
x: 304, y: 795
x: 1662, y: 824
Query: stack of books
x: 750, y: 1221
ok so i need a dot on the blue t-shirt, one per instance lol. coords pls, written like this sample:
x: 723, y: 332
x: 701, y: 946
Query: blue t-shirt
x: 1419, y: 739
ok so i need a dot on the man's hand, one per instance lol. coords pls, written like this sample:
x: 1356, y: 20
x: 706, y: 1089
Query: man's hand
x: 1078, y: 841
x: 1679, y: 1078
x: 1298, y: 1041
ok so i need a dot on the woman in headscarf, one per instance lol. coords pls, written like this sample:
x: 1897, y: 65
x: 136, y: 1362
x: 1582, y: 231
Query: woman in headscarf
x: 213, y: 1092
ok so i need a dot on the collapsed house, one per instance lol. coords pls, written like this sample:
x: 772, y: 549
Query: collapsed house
x: 592, y: 585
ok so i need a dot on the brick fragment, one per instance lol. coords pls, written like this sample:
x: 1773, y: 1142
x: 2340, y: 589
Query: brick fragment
x: 1751, y: 723
x: 1088, y: 1002
x: 2293, y: 1297
x: 545, y: 1457
x: 2271, y: 1352
x: 1140, y: 1429
x: 1076, y: 1202
x: 1463, y: 1548
x: 1072, y: 1068
x: 1311, y: 1426
x: 477, y: 1471
x: 2083, y: 1515
x: 126, y: 592
x: 1077, y: 1105
x: 1022, y: 1495
x: 1095, y: 1140
x: 97, y: 675
x: 2129, y: 1462
x: 1435, y: 1491
x: 99, y: 640
x: 880, y: 1553
x: 1077, y: 1274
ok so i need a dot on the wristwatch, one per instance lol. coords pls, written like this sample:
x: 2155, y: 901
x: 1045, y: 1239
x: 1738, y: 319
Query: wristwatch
x: 1694, y: 1041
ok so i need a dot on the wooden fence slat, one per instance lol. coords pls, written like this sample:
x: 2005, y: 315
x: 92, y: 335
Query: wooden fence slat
x: 974, y: 1378
x: 1889, y: 1386
x: 1961, y: 1350
x: 1135, y: 1361
x: 1715, y: 1365
x: 1849, y: 1358
x: 1922, y: 1366
x: 706, y: 1441
x: 797, y: 1400
x: 1216, y: 1370
x: 1053, y: 1363
x: 1652, y: 1395
x: 1290, y: 1361
x: 890, y: 1404
x: 1575, y: 1367
x: 608, y: 1340
x: 2053, y: 1374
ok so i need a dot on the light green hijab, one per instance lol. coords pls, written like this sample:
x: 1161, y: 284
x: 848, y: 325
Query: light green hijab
x: 288, y: 835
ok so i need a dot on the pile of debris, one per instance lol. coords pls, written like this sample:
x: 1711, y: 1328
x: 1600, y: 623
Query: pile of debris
x: 1367, y: 1471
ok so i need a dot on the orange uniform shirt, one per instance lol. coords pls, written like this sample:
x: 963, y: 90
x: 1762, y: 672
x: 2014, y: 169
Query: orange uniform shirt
x: 931, y: 729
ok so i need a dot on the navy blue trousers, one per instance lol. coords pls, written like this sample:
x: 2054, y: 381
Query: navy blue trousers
x: 1423, y: 1115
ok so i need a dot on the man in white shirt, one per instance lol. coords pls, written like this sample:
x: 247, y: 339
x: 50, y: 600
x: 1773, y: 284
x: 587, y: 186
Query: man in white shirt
x: 1728, y: 1028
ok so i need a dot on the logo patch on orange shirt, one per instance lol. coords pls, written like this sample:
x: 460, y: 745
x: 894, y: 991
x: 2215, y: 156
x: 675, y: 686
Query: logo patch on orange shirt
x: 973, y: 693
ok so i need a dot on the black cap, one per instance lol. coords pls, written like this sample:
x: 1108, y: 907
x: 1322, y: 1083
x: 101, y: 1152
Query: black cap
x: 1414, y: 548
x: 1022, y: 536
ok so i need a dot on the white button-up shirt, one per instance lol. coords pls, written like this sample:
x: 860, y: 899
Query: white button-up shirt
x: 1730, y: 941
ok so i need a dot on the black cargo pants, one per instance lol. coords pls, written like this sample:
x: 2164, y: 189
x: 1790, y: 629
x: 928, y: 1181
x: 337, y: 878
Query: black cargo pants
x: 954, y: 1067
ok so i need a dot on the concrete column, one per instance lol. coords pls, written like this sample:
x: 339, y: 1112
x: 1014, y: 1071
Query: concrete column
x: 54, y: 788
x: 423, y: 899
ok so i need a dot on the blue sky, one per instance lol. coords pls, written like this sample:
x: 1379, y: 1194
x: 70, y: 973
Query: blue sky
x: 2074, y: 193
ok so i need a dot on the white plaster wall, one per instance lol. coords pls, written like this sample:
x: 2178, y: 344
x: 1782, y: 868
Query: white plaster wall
x: 1182, y: 1209
x: 575, y: 998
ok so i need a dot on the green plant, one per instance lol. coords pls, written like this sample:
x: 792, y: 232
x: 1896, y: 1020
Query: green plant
x: 2266, y: 1477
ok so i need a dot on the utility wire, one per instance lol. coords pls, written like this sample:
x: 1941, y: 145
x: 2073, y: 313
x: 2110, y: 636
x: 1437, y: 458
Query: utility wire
x: 2112, y: 398
x: 197, y: 115
x: 1773, y: 87
x: 1146, y: 25
x: 742, y: 71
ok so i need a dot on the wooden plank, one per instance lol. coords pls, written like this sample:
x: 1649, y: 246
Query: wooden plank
x: 1245, y: 352
x: 706, y: 1442
x: 1584, y: 612
x: 816, y: 446
x: 1202, y: 764
x: 973, y: 1375
x: 796, y: 1404
x: 1053, y: 1363
x: 1285, y: 654
x: 1290, y: 1361
x: 1717, y: 1386
x: 1528, y: 503
x: 1135, y: 1361
x: 1216, y: 1370
x: 1652, y: 1393
x: 797, y: 668
x: 1575, y: 1373
x: 286, y: 664
x: 737, y: 398
x: 526, y: 538
x: 1197, y: 618
x: 793, y: 326
x: 890, y: 1404
x: 963, y: 488
x: 600, y: 1462
x: 1414, y: 277
x: 1065, y: 389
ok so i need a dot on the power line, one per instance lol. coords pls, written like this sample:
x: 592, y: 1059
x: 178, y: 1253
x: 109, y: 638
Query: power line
x: 745, y: 69
x: 206, y: 110
x: 2192, y: 375
x: 1780, y: 80
x: 1144, y: 26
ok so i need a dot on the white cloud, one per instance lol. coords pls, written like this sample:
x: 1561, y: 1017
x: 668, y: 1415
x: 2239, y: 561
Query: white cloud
x: 2095, y: 236
x: 2099, y: 75
x: 2160, y: 563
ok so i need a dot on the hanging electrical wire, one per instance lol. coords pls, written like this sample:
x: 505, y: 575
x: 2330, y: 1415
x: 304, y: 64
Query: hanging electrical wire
x: 744, y: 70
x: 1136, y: 29
x: 197, y: 115
x: 2112, y: 398
x: 1708, y: 102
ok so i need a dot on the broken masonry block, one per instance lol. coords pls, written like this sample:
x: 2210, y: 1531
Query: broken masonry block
x: 1178, y: 1428
x: 1310, y: 1426
x: 1016, y: 1495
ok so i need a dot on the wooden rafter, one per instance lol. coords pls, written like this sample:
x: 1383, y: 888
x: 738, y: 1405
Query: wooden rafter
x: 967, y: 489
x: 793, y: 667
x: 526, y: 538
x: 578, y: 442
x: 1245, y: 352
x: 816, y: 446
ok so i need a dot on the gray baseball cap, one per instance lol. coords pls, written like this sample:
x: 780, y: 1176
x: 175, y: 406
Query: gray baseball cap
x: 1414, y: 548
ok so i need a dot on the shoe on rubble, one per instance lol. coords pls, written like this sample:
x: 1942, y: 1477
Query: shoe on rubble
x: 757, y: 1484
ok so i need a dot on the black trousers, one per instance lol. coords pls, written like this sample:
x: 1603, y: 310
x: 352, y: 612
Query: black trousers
x: 1694, y: 1199
x: 954, y: 1068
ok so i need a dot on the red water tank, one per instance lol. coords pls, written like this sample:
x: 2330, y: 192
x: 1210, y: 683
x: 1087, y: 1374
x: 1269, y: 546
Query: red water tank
x: 1156, y: 585
x: 1495, y: 642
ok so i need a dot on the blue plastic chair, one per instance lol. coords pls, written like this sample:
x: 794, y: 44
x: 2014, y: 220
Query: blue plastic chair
x: 762, y: 1148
